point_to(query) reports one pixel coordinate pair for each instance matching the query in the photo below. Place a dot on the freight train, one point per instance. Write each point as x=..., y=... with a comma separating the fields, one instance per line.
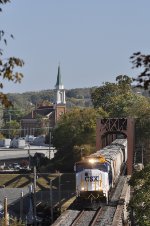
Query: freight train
x=97, y=173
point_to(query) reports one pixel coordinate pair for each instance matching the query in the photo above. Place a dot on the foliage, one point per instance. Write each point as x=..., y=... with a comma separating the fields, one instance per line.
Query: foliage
x=11, y=129
x=142, y=131
x=140, y=201
x=30, y=100
x=140, y=60
x=8, y=66
x=143, y=128
x=75, y=127
x=12, y=113
x=75, y=130
x=101, y=97
x=129, y=105
x=1, y=136
x=118, y=99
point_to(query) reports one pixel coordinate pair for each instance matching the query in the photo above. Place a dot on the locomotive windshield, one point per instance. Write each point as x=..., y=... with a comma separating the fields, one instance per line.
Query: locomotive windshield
x=100, y=166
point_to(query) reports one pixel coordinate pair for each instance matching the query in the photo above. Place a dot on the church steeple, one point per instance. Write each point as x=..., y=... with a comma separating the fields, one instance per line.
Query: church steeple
x=59, y=84
x=60, y=91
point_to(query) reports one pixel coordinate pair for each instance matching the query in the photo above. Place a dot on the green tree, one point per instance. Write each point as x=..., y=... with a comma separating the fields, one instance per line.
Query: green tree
x=118, y=99
x=75, y=128
x=101, y=96
x=129, y=105
x=8, y=66
x=140, y=201
x=75, y=131
x=11, y=129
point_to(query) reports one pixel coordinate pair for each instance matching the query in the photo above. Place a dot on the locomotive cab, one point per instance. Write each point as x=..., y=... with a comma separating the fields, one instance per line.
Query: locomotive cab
x=93, y=178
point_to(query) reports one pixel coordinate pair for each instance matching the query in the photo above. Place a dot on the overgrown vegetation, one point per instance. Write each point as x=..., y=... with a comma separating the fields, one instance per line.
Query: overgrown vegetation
x=140, y=202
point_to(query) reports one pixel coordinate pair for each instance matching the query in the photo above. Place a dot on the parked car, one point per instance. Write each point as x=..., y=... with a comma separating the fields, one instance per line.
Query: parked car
x=16, y=165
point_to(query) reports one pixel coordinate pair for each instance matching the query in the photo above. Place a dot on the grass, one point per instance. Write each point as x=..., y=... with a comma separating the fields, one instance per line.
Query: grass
x=43, y=180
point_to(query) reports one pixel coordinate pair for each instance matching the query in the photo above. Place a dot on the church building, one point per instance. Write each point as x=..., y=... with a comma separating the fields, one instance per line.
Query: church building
x=44, y=117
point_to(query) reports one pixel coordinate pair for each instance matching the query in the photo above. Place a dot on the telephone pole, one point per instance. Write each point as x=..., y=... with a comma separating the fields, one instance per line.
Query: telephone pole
x=51, y=201
x=34, y=197
x=6, y=223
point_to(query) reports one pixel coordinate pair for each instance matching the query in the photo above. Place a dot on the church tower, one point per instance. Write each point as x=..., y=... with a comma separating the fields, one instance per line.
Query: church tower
x=60, y=99
x=60, y=91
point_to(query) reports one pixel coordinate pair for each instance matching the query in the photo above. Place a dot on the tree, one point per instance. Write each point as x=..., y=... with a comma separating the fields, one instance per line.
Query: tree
x=75, y=133
x=140, y=201
x=7, y=66
x=101, y=96
x=140, y=60
x=11, y=129
x=75, y=128
x=124, y=80
x=118, y=99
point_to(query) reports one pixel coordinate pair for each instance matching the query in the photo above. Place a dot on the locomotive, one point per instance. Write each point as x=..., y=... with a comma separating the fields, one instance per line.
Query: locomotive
x=97, y=173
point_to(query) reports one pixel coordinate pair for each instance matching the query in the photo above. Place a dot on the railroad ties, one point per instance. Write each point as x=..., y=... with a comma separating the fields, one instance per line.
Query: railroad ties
x=110, y=215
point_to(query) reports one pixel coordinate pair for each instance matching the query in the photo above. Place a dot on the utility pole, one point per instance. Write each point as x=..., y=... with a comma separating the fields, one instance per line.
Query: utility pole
x=51, y=200
x=21, y=205
x=5, y=212
x=59, y=191
x=29, y=156
x=34, y=197
x=9, y=123
x=50, y=138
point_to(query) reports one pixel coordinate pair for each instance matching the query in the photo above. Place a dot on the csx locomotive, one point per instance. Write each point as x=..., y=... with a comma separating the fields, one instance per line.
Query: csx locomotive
x=97, y=173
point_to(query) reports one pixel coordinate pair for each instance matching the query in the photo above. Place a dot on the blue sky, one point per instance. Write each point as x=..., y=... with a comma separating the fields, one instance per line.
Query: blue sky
x=92, y=40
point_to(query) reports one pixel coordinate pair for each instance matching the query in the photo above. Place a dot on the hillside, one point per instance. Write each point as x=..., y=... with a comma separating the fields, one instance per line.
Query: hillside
x=74, y=97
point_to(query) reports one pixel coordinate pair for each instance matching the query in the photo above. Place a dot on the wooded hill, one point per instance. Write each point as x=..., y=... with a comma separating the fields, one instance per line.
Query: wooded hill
x=80, y=97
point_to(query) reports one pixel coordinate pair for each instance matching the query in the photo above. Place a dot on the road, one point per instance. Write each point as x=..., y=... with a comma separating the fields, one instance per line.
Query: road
x=8, y=153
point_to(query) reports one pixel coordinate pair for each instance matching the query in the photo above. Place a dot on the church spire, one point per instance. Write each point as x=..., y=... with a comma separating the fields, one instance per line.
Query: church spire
x=59, y=84
x=60, y=91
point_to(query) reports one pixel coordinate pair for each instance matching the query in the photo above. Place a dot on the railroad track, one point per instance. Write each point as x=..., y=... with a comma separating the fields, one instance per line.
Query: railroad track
x=84, y=218
x=103, y=216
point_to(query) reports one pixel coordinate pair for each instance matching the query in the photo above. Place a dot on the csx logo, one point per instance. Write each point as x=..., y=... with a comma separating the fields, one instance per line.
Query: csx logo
x=91, y=178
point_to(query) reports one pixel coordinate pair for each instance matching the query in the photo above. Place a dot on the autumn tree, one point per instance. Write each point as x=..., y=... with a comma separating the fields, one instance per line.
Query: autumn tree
x=142, y=61
x=8, y=66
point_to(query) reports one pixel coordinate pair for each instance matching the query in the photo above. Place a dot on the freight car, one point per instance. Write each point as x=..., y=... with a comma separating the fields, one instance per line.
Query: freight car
x=97, y=173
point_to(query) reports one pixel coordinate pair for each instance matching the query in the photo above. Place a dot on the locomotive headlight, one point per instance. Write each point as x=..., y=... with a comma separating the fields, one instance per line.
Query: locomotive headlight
x=91, y=160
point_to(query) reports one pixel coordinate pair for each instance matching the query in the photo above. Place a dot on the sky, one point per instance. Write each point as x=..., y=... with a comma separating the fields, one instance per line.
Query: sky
x=91, y=40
